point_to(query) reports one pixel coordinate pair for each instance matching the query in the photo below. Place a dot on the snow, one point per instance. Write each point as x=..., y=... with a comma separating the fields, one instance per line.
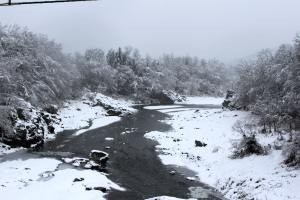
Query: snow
x=77, y=114
x=97, y=151
x=258, y=177
x=202, y=100
x=191, y=178
x=100, y=122
x=6, y=149
x=166, y=198
x=177, y=109
x=160, y=107
x=36, y=178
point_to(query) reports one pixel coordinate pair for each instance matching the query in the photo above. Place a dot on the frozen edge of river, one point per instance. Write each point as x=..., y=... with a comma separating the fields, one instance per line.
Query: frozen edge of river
x=258, y=177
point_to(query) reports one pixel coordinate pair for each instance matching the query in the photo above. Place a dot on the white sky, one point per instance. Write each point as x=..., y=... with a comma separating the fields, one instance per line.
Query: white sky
x=226, y=30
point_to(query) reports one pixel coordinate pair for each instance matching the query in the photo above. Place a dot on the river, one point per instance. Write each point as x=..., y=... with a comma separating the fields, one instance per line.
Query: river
x=133, y=162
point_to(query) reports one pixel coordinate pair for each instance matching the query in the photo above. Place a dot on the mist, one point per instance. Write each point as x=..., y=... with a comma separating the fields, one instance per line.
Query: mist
x=225, y=30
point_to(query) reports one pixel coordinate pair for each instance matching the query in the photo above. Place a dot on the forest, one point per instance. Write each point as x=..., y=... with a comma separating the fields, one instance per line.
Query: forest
x=36, y=69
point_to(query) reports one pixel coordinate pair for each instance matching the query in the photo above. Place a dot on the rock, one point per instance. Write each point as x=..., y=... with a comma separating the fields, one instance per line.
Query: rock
x=47, y=119
x=102, y=189
x=51, y=109
x=94, y=164
x=200, y=144
x=22, y=114
x=191, y=178
x=51, y=129
x=113, y=112
x=78, y=179
x=88, y=166
x=99, y=157
x=172, y=173
x=76, y=163
x=162, y=97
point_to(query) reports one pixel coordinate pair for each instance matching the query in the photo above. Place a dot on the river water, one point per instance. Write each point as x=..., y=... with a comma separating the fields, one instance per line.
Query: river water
x=133, y=161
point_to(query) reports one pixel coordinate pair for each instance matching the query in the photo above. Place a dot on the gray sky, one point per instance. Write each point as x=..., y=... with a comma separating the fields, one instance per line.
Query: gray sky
x=225, y=29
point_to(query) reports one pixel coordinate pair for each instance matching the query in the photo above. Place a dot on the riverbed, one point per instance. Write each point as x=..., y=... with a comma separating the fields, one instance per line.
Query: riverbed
x=133, y=159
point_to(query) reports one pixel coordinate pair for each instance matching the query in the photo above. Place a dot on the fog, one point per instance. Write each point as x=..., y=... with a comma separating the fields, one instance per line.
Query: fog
x=225, y=30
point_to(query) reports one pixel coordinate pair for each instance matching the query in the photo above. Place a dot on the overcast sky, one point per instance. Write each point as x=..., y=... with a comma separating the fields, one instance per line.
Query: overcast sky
x=224, y=29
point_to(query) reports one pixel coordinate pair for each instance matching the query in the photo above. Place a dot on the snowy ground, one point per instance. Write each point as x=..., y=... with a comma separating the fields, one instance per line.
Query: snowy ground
x=77, y=114
x=258, y=177
x=253, y=177
x=5, y=149
x=40, y=179
x=202, y=100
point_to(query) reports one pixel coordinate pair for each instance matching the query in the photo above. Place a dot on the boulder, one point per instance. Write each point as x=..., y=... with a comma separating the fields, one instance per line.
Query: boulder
x=172, y=173
x=51, y=109
x=51, y=129
x=102, y=189
x=78, y=179
x=99, y=157
x=200, y=144
x=114, y=112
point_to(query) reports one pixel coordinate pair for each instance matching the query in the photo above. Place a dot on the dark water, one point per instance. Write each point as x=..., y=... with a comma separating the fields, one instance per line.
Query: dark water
x=133, y=161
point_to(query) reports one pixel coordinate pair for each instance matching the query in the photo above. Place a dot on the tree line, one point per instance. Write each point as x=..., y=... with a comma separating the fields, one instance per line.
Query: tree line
x=35, y=69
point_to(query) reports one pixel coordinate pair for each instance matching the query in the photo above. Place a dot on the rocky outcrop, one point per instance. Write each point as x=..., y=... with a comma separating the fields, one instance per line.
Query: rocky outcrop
x=229, y=103
x=53, y=109
x=111, y=109
x=29, y=126
x=167, y=97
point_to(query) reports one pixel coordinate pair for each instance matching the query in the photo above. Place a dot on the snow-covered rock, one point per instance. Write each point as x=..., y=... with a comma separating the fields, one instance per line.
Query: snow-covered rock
x=99, y=157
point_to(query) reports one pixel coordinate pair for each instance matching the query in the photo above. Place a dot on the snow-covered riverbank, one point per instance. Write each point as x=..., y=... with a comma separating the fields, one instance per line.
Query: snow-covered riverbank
x=77, y=114
x=41, y=179
x=253, y=177
x=38, y=177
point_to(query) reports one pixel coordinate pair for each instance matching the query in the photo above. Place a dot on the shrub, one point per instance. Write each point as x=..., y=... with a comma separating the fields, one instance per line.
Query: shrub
x=291, y=152
x=248, y=144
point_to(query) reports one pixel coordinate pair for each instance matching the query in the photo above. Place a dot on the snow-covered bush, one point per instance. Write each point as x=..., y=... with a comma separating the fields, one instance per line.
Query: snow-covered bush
x=291, y=152
x=248, y=144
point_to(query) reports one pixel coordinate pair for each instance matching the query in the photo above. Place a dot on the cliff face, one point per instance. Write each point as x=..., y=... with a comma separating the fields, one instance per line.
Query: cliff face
x=167, y=97
x=25, y=125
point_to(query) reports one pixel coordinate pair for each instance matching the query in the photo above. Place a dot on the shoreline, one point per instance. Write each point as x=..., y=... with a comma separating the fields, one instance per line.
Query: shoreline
x=257, y=177
x=30, y=177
